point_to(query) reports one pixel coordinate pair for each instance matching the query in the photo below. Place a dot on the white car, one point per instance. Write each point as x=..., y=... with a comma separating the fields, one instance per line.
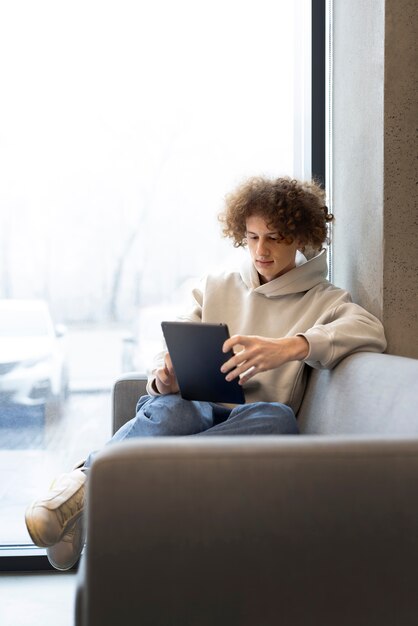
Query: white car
x=33, y=361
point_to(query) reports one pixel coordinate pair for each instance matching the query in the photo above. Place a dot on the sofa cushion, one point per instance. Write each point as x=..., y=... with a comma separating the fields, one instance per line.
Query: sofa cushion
x=366, y=393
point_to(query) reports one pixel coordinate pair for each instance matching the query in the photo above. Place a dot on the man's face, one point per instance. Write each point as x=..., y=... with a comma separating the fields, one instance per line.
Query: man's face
x=271, y=256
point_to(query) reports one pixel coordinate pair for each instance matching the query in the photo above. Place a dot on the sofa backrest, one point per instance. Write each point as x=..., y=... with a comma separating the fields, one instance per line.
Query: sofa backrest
x=366, y=393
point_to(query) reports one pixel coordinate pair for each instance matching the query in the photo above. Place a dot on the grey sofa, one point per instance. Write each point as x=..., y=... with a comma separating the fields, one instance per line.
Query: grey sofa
x=318, y=529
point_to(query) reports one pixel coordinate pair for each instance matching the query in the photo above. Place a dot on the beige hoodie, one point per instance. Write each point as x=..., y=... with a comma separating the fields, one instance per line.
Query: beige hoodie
x=300, y=302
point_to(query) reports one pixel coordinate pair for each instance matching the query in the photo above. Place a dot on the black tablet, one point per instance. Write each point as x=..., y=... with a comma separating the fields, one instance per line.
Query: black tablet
x=196, y=354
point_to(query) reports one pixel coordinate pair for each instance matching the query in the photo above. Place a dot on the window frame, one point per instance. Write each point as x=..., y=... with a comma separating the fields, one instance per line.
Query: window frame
x=318, y=91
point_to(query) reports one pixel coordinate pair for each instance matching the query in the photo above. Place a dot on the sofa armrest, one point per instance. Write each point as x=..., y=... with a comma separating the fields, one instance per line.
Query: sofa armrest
x=125, y=394
x=254, y=530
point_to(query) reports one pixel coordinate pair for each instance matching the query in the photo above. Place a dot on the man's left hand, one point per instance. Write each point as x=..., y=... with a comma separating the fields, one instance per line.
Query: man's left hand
x=260, y=354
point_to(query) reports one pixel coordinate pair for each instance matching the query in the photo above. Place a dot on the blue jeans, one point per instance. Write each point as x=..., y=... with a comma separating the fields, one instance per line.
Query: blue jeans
x=170, y=415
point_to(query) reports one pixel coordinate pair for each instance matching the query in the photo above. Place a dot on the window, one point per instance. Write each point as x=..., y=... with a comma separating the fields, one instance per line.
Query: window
x=123, y=125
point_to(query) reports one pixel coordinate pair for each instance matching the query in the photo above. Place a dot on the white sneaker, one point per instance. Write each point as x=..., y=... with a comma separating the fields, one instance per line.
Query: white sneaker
x=64, y=554
x=50, y=519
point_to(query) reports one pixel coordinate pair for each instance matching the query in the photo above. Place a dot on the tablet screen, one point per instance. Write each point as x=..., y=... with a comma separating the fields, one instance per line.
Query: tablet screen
x=196, y=353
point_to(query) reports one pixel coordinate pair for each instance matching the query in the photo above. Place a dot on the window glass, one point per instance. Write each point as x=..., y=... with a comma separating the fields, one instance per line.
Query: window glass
x=122, y=127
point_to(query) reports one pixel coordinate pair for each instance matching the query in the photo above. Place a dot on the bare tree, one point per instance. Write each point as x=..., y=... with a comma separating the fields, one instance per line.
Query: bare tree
x=133, y=234
x=118, y=274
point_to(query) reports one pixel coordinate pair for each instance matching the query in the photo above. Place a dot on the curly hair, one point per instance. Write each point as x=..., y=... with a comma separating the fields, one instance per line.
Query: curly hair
x=295, y=209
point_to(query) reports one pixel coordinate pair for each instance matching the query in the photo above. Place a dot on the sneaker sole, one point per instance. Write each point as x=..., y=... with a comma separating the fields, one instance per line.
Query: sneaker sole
x=64, y=565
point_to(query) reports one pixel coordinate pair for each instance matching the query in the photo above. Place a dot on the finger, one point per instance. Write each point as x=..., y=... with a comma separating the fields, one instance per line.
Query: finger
x=163, y=375
x=234, y=361
x=249, y=374
x=164, y=389
x=169, y=364
x=235, y=340
x=240, y=370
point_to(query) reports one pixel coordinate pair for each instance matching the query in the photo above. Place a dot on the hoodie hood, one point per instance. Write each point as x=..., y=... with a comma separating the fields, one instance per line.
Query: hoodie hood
x=304, y=276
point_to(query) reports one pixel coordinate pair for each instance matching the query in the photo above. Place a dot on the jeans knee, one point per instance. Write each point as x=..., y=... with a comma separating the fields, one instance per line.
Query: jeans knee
x=172, y=415
x=274, y=417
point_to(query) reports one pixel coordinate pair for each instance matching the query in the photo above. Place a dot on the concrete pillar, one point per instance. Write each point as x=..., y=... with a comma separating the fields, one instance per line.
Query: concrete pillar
x=374, y=162
x=400, y=222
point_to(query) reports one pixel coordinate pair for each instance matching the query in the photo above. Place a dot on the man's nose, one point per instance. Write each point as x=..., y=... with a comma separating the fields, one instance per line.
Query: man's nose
x=262, y=249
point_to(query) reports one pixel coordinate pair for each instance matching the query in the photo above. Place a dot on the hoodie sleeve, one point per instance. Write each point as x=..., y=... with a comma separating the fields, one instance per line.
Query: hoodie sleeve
x=194, y=314
x=343, y=330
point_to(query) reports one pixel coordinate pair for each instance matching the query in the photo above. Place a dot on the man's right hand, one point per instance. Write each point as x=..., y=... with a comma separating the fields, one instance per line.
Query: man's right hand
x=165, y=378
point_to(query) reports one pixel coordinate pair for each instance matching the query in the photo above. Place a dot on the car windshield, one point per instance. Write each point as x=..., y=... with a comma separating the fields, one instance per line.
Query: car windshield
x=28, y=323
